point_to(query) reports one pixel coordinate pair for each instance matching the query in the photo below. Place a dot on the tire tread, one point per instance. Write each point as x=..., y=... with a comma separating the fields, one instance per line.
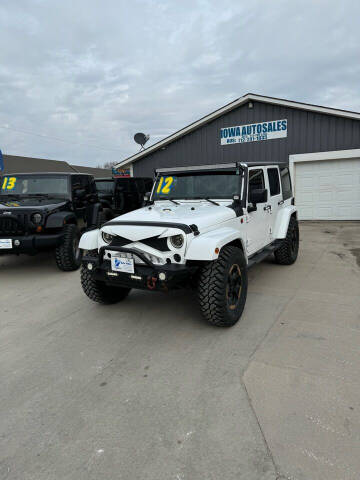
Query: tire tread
x=210, y=292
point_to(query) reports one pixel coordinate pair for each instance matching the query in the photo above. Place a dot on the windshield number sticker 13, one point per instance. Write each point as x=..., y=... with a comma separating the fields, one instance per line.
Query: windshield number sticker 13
x=165, y=185
x=9, y=183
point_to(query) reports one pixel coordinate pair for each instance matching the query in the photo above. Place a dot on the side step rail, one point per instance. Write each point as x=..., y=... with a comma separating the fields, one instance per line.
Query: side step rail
x=260, y=256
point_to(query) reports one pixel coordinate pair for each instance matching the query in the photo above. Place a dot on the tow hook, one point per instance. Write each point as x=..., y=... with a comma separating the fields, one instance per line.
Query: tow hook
x=151, y=283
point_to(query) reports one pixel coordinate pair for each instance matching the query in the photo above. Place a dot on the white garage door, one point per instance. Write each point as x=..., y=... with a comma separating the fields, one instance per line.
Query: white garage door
x=328, y=189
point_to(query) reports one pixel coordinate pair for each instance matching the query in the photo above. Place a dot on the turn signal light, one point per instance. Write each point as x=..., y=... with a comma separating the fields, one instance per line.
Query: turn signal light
x=217, y=250
x=39, y=228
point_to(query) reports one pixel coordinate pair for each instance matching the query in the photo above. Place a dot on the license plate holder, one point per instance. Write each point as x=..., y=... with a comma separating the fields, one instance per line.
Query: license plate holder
x=6, y=243
x=122, y=264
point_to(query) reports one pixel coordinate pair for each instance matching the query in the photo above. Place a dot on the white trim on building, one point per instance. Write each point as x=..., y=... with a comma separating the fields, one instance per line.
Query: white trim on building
x=318, y=156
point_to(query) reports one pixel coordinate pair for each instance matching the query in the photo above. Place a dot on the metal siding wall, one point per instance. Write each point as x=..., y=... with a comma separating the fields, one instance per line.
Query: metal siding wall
x=307, y=132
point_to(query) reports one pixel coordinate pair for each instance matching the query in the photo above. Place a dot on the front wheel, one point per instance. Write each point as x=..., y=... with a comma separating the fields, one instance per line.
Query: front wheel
x=288, y=252
x=68, y=255
x=100, y=292
x=222, y=288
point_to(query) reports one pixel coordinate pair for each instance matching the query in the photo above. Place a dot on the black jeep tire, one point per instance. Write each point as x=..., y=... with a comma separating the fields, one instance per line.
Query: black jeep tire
x=68, y=255
x=222, y=288
x=100, y=292
x=288, y=251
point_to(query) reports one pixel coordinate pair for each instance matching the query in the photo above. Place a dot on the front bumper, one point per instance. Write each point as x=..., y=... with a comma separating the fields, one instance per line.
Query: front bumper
x=145, y=276
x=31, y=243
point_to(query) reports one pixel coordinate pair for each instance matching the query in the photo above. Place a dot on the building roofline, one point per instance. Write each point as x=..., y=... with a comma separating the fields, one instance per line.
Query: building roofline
x=230, y=106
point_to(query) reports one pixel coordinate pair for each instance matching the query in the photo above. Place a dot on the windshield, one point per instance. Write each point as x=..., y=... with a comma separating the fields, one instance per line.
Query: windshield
x=56, y=185
x=104, y=186
x=196, y=186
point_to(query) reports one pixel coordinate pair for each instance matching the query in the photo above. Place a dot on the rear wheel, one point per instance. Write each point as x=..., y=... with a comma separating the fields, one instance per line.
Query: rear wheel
x=223, y=288
x=288, y=252
x=68, y=255
x=100, y=292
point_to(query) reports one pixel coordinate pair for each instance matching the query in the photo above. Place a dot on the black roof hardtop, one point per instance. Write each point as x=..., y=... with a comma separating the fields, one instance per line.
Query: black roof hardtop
x=46, y=173
x=219, y=166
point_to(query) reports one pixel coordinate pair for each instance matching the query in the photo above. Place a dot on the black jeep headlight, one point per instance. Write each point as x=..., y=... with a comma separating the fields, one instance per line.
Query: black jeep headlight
x=107, y=237
x=36, y=218
x=177, y=241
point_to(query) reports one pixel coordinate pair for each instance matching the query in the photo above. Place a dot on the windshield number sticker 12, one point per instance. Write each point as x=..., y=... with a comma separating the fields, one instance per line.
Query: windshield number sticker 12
x=165, y=185
x=9, y=183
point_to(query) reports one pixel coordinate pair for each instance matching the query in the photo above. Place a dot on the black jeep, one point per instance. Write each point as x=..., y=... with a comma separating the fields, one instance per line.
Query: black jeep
x=42, y=211
x=121, y=195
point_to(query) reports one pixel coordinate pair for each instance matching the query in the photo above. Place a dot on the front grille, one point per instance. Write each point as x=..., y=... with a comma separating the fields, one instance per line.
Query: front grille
x=157, y=243
x=120, y=241
x=154, y=242
x=10, y=226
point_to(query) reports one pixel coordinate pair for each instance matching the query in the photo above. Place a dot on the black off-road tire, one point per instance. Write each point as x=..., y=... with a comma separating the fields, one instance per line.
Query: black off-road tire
x=215, y=300
x=100, y=292
x=68, y=255
x=288, y=252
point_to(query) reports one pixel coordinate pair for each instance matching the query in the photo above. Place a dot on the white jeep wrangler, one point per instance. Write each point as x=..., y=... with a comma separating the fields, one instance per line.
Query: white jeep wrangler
x=202, y=226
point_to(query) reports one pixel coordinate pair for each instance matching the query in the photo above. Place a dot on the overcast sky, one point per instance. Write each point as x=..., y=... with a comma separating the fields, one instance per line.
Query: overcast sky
x=91, y=73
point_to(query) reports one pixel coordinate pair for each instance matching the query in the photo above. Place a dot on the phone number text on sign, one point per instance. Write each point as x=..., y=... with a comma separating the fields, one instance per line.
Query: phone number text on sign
x=254, y=132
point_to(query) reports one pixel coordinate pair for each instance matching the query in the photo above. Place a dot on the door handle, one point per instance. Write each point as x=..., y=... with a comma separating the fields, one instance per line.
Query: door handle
x=281, y=202
x=267, y=207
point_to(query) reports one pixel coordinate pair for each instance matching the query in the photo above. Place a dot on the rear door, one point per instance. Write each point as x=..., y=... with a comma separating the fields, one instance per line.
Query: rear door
x=257, y=221
x=275, y=200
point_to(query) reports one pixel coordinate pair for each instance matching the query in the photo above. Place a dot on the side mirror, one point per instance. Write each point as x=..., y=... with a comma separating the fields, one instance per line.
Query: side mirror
x=259, y=195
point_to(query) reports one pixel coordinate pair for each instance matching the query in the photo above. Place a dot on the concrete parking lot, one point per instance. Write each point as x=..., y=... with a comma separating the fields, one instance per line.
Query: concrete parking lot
x=146, y=390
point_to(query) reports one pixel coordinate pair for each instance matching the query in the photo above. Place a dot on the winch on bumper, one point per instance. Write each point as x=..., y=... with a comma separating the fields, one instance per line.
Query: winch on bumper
x=146, y=276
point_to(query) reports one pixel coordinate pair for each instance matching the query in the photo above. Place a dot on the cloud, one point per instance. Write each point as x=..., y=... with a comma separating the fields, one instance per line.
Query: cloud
x=94, y=73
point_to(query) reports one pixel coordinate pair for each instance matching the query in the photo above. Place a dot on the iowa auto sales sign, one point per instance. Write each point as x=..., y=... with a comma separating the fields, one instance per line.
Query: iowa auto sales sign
x=254, y=132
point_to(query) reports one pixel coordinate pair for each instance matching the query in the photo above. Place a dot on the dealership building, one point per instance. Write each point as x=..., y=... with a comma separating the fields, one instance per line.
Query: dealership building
x=321, y=145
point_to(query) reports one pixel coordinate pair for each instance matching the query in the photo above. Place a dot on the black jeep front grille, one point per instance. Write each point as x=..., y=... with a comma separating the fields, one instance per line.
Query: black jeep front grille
x=157, y=243
x=154, y=242
x=118, y=241
x=10, y=226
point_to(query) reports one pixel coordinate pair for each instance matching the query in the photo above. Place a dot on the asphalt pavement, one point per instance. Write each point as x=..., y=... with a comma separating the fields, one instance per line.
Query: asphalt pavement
x=145, y=389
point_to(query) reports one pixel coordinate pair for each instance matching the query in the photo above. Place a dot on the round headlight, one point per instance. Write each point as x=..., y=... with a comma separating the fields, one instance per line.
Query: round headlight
x=177, y=241
x=36, y=218
x=107, y=237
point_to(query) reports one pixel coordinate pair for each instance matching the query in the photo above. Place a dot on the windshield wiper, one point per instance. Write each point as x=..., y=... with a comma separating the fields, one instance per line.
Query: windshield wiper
x=14, y=195
x=168, y=199
x=207, y=199
x=36, y=194
x=211, y=201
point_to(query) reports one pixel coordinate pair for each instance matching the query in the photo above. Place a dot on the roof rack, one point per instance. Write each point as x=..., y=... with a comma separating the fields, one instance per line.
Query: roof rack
x=197, y=168
x=217, y=166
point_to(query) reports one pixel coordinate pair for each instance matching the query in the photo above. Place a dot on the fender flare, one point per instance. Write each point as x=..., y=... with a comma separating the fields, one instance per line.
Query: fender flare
x=89, y=240
x=59, y=219
x=203, y=246
x=282, y=221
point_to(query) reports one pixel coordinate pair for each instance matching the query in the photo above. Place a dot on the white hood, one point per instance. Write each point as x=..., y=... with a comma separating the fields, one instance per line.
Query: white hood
x=201, y=213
